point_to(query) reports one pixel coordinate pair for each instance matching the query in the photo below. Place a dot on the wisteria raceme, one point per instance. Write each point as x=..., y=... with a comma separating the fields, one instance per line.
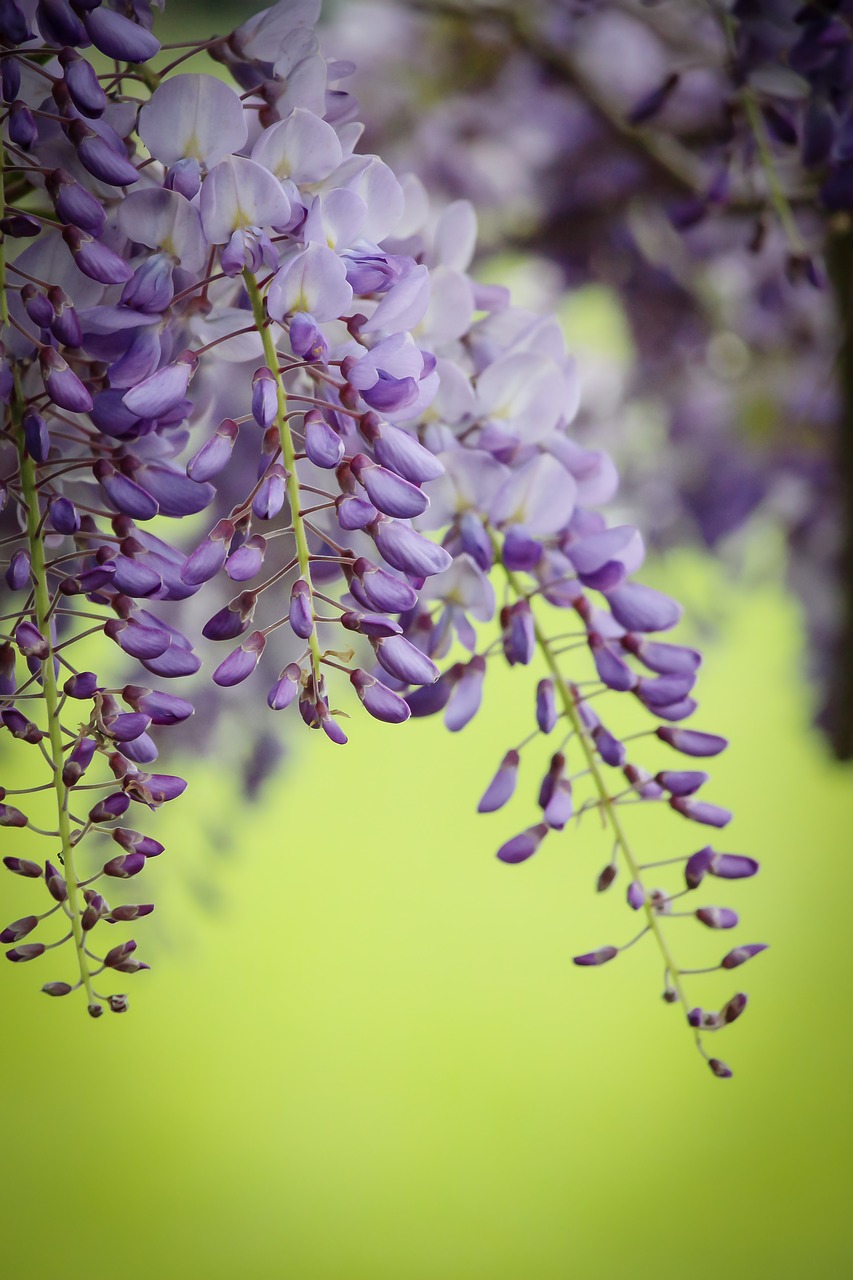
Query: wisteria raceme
x=243, y=316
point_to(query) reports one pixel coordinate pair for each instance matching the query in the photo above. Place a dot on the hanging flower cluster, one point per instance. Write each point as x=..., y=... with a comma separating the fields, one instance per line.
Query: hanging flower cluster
x=221, y=306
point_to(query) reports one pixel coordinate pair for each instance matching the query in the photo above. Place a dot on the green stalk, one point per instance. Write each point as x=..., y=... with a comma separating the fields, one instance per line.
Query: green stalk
x=51, y=700
x=606, y=803
x=288, y=453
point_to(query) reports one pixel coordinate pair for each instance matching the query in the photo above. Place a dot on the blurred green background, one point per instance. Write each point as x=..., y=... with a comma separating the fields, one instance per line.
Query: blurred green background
x=363, y=1053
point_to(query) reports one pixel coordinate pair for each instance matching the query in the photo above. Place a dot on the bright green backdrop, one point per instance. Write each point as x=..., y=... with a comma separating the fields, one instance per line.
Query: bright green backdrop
x=369, y=1058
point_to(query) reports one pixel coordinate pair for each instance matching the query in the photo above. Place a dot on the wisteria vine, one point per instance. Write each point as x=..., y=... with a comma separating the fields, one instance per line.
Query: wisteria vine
x=221, y=307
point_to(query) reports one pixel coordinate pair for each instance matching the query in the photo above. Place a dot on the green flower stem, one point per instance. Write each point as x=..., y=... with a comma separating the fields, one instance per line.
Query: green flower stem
x=51, y=698
x=605, y=801
x=288, y=452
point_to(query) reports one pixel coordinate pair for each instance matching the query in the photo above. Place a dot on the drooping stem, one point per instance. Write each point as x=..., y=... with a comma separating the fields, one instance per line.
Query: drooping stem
x=606, y=802
x=41, y=603
x=288, y=452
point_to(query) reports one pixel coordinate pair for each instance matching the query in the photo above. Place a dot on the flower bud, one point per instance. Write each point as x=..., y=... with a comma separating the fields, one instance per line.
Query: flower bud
x=601, y=956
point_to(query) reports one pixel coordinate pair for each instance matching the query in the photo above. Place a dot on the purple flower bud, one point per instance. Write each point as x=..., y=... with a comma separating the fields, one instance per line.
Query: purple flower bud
x=612, y=670
x=546, y=706
x=151, y=287
x=62, y=385
x=733, y=866
x=665, y=659
x=475, y=541
x=307, y=340
x=11, y=817
x=135, y=842
x=128, y=725
x=127, y=914
x=601, y=956
x=124, y=865
x=663, y=691
x=18, y=929
x=22, y=125
x=636, y=895
x=720, y=1070
x=606, y=877
x=29, y=951
x=323, y=445
x=30, y=641
x=18, y=572
x=404, y=549
x=162, y=708
x=232, y=620
x=36, y=436
x=74, y=205
x=57, y=988
x=467, y=696
x=401, y=452
x=246, y=562
x=690, y=742
x=119, y=37
x=300, y=612
x=640, y=608
x=82, y=685
x=215, y=454
x=375, y=625
x=502, y=785
x=697, y=867
x=154, y=789
x=733, y=1008
x=112, y=807
x=739, y=955
x=518, y=633
x=269, y=499
x=138, y=640
x=95, y=260
x=209, y=556
x=430, y=699
x=717, y=917
x=65, y=325
x=59, y=25
x=117, y=955
x=711, y=815
x=56, y=885
x=520, y=551
x=15, y=30
x=37, y=306
x=560, y=806
x=163, y=390
x=20, y=727
x=402, y=659
x=285, y=688
x=23, y=866
x=523, y=846
x=377, y=699
x=611, y=750
x=83, y=84
x=388, y=492
x=354, y=512
x=264, y=397
x=184, y=177
x=240, y=664
x=383, y=590
x=20, y=225
x=681, y=782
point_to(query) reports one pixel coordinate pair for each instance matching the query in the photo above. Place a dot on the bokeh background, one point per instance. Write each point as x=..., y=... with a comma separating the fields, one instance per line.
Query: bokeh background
x=362, y=1052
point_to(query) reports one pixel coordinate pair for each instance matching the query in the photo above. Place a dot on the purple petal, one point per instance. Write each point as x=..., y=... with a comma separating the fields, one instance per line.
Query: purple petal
x=377, y=699
x=601, y=956
x=241, y=662
x=523, y=846
x=400, y=658
x=640, y=608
